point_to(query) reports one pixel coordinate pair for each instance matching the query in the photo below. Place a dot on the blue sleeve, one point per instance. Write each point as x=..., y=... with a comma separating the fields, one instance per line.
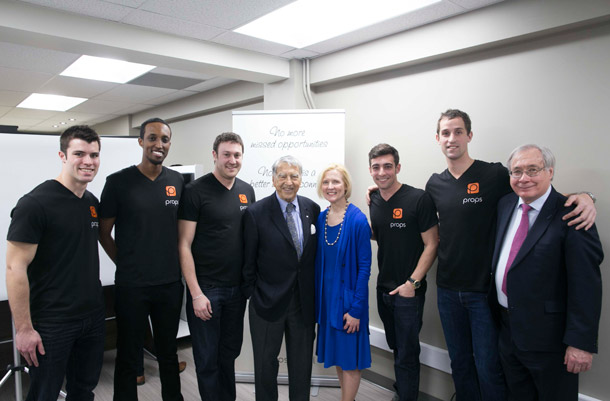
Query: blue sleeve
x=362, y=230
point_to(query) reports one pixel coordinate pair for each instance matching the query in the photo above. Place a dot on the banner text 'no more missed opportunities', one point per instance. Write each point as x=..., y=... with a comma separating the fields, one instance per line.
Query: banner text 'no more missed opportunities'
x=315, y=137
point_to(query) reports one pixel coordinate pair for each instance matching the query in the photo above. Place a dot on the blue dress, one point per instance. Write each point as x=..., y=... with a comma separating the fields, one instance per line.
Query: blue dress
x=337, y=347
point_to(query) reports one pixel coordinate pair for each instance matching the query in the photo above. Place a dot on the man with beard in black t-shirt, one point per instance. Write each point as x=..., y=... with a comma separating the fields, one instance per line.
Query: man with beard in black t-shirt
x=405, y=226
x=466, y=195
x=52, y=275
x=211, y=257
x=141, y=203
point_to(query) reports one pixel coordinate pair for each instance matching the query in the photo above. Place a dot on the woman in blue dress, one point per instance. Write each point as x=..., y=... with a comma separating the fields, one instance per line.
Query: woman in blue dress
x=343, y=267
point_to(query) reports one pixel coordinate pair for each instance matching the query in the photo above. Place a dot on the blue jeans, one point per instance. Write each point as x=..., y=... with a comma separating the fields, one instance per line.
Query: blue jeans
x=402, y=321
x=472, y=341
x=73, y=349
x=217, y=342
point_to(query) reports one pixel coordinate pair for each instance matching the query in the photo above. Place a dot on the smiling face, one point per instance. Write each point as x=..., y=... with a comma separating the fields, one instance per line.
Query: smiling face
x=453, y=138
x=384, y=171
x=287, y=181
x=155, y=143
x=81, y=161
x=333, y=187
x=227, y=162
x=530, y=188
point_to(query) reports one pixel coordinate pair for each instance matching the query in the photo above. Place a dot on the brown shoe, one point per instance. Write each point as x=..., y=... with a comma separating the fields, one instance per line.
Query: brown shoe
x=181, y=366
x=140, y=380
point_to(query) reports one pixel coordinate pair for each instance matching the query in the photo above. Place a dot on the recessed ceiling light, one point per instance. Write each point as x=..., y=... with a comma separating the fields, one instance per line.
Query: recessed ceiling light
x=71, y=119
x=105, y=69
x=305, y=22
x=55, y=126
x=63, y=123
x=50, y=102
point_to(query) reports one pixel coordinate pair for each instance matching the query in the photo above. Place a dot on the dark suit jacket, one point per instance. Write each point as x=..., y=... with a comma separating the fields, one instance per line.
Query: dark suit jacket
x=554, y=284
x=271, y=266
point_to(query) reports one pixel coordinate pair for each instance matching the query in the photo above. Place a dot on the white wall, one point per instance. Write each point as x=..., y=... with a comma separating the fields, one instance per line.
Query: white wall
x=551, y=91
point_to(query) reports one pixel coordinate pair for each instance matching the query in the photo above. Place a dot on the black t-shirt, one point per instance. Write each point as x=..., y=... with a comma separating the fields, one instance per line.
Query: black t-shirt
x=218, y=244
x=64, y=274
x=146, y=225
x=397, y=225
x=467, y=218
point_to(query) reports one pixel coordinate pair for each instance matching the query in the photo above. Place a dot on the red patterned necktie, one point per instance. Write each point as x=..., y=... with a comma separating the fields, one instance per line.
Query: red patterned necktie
x=520, y=235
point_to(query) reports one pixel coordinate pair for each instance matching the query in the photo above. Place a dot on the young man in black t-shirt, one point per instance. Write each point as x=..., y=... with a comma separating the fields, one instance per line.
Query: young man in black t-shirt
x=404, y=224
x=141, y=203
x=466, y=196
x=211, y=257
x=52, y=275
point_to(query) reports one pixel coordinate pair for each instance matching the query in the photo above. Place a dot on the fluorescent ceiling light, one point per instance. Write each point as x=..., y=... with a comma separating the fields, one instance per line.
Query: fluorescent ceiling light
x=306, y=22
x=105, y=69
x=50, y=102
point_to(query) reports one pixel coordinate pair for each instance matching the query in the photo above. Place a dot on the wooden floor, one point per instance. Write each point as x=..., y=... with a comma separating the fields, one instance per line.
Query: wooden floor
x=151, y=391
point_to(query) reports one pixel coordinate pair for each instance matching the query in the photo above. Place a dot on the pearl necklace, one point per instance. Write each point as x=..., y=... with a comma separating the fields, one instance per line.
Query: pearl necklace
x=340, y=227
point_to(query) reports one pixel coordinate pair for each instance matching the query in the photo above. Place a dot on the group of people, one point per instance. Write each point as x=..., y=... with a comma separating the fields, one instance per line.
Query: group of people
x=518, y=281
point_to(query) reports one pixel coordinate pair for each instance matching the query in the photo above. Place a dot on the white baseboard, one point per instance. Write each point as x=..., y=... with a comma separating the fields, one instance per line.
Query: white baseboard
x=432, y=356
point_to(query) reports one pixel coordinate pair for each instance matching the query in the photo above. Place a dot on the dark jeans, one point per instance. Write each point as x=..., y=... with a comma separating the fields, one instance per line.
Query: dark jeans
x=402, y=321
x=217, y=342
x=472, y=341
x=266, y=343
x=133, y=305
x=73, y=349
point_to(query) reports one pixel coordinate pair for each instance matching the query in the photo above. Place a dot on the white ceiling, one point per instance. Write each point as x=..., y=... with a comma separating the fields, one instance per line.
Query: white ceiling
x=185, y=38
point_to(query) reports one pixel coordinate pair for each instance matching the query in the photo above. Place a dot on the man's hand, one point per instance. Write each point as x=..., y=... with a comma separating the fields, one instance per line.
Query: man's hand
x=406, y=290
x=583, y=214
x=577, y=360
x=370, y=189
x=28, y=341
x=202, y=308
x=351, y=323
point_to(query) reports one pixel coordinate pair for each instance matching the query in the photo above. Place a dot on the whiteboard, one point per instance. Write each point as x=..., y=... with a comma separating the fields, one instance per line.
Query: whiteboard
x=315, y=137
x=27, y=160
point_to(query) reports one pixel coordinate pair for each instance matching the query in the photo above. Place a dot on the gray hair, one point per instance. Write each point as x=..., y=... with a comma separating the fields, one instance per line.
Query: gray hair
x=289, y=160
x=547, y=155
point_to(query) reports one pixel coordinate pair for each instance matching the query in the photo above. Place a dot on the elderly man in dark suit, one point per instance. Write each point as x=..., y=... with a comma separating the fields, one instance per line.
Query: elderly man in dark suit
x=280, y=248
x=547, y=285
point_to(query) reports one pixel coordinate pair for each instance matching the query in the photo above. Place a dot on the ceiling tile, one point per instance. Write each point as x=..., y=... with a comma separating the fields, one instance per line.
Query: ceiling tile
x=134, y=93
x=78, y=87
x=231, y=38
x=101, y=107
x=12, y=98
x=168, y=24
x=4, y=120
x=136, y=108
x=127, y=3
x=92, y=8
x=18, y=112
x=34, y=59
x=171, y=97
x=226, y=14
x=164, y=81
x=4, y=110
x=21, y=81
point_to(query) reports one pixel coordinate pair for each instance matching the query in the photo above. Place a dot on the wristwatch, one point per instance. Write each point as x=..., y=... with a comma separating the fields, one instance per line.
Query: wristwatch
x=416, y=283
x=590, y=194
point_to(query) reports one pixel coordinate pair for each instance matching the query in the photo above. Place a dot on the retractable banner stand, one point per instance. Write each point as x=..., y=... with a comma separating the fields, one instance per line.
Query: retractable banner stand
x=316, y=138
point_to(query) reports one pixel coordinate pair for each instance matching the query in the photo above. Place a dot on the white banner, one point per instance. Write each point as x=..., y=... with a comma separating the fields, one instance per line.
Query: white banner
x=315, y=137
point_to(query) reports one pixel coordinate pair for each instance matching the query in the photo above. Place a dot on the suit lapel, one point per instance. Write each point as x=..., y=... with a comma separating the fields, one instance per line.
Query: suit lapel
x=277, y=217
x=504, y=215
x=305, y=220
x=540, y=225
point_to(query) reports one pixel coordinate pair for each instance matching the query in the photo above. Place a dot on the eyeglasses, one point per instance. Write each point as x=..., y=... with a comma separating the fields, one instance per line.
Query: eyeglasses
x=530, y=172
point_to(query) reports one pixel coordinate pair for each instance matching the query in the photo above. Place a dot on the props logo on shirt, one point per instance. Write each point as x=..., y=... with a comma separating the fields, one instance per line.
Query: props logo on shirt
x=93, y=212
x=397, y=213
x=170, y=190
x=472, y=188
x=243, y=198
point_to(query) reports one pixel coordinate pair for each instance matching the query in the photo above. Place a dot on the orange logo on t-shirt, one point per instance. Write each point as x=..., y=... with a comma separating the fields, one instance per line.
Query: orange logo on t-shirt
x=93, y=211
x=473, y=188
x=397, y=213
x=243, y=198
x=170, y=190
